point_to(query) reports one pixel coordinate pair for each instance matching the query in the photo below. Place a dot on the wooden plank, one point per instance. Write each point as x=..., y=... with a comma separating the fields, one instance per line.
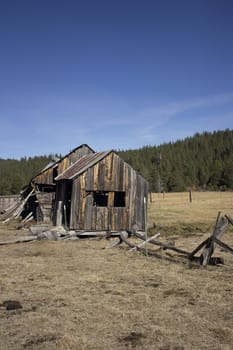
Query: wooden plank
x=28, y=216
x=221, y=226
x=19, y=240
x=108, y=174
x=75, y=203
x=199, y=247
x=229, y=218
x=82, y=201
x=59, y=215
x=95, y=173
x=88, y=212
x=163, y=245
x=20, y=206
x=89, y=185
x=111, y=199
x=101, y=175
x=147, y=240
x=94, y=218
x=224, y=245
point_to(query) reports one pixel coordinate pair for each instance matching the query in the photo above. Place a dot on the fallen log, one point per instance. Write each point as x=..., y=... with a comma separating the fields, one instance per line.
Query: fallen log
x=163, y=245
x=19, y=240
x=149, y=252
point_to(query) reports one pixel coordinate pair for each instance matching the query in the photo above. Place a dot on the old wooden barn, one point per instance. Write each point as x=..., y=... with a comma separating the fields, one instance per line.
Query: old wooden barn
x=91, y=191
x=102, y=192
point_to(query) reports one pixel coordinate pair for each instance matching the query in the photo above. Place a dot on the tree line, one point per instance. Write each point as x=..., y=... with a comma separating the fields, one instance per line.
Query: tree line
x=15, y=174
x=201, y=162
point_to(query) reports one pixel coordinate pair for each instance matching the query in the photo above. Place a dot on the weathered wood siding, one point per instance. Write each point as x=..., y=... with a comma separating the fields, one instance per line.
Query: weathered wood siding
x=45, y=204
x=111, y=175
x=72, y=158
x=47, y=177
x=8, y=201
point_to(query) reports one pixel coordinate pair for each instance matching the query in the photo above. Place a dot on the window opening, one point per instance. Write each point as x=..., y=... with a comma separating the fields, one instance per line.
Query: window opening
x=100, y=198
x=46, y=188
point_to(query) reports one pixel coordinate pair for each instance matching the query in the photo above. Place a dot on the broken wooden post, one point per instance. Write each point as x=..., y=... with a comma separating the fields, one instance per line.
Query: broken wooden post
x=205, y=242
x=221, y=225
x=190, y=195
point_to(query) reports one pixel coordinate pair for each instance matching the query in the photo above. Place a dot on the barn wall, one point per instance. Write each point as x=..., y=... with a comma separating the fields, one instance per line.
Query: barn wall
x=110, y=175
x=45, y=178
x=45, y=201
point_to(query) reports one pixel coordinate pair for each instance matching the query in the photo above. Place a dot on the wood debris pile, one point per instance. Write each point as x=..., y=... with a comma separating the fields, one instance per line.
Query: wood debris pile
x=206, y=248
x=15, y=211
x=55, y=233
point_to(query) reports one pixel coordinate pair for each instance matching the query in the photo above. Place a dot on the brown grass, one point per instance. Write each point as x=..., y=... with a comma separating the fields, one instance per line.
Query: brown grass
x=79, y=295
x=173, y=211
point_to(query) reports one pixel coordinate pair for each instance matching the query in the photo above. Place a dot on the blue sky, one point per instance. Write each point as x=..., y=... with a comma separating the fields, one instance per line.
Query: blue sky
x=112, y=74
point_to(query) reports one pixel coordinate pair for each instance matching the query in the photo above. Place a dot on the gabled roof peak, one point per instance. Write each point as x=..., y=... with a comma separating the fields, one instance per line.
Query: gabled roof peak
x=82, y=165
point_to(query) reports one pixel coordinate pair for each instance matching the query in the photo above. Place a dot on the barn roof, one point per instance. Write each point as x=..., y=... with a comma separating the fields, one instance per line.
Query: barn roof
x=50, y=164
x=82, y=165
x=54, y=163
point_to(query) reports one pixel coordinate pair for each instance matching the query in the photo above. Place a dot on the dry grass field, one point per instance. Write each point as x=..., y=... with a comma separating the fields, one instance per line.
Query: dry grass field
x=80, y=296
x=175, y=212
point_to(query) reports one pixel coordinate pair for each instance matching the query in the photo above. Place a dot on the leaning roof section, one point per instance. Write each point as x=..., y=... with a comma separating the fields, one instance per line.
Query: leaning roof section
x=54, y=164
x=82, y=165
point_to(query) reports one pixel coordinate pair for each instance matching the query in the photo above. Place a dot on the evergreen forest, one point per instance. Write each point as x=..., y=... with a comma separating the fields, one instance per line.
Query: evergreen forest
x=201, y=162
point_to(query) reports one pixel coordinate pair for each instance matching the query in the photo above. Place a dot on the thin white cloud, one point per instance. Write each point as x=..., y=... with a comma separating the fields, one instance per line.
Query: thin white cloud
x=107, y=124
x=148, y=134
x=170, y=109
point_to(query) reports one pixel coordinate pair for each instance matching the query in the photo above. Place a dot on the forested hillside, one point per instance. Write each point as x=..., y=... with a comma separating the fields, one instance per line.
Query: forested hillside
x=204, y=161
x=14, y=174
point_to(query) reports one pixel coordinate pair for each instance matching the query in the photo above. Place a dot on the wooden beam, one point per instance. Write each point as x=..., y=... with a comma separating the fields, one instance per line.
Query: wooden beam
x=147, y=240
x=224, y=245
x=229, y=218
x=19, y=240
x=163, y=245
x=220, y=228
x=194, y=252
